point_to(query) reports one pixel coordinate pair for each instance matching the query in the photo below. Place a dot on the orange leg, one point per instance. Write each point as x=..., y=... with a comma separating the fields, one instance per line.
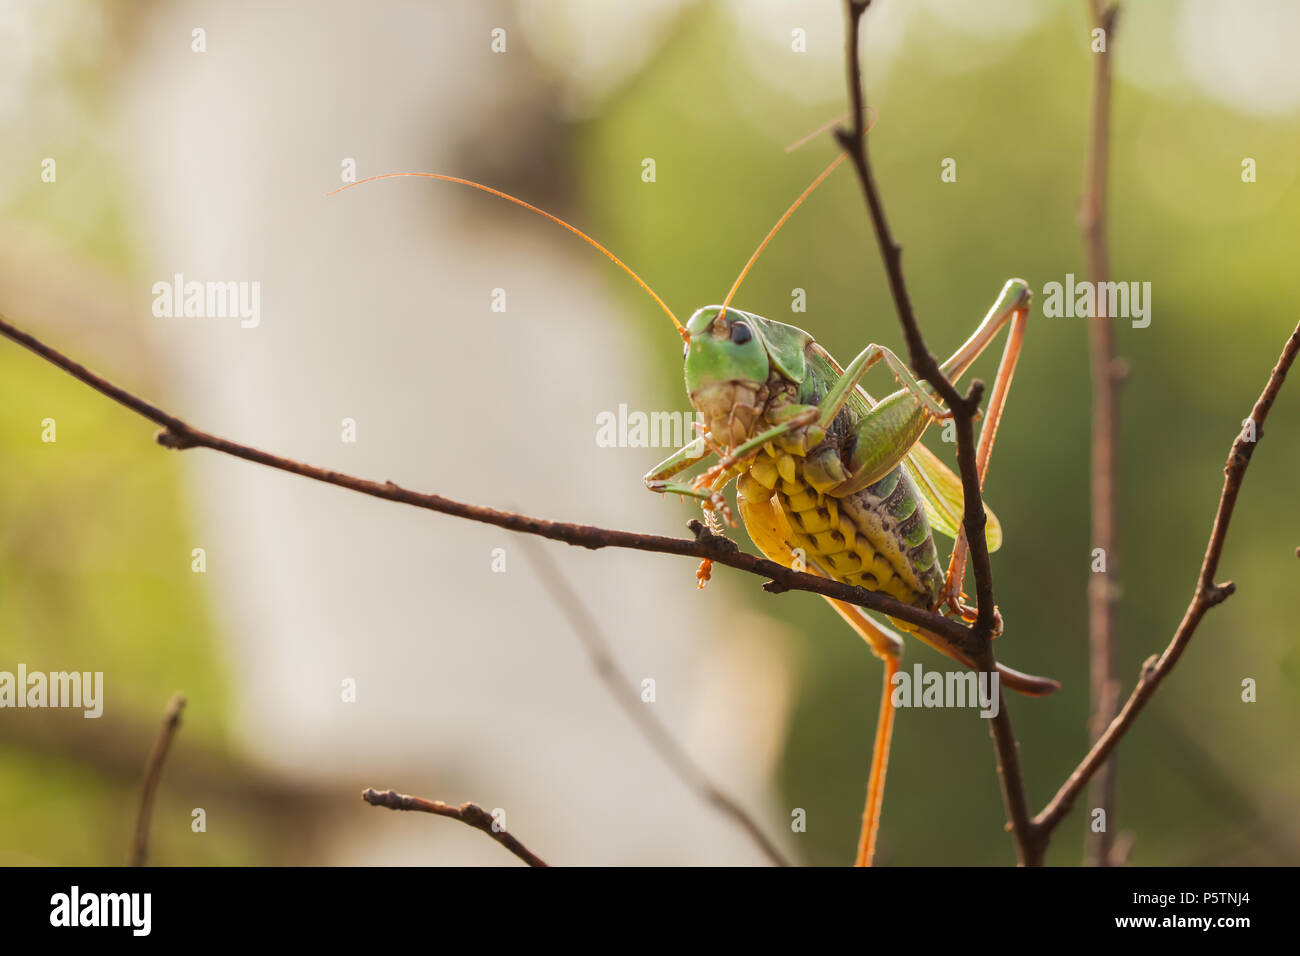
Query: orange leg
x=879, y=764
x=888, y=646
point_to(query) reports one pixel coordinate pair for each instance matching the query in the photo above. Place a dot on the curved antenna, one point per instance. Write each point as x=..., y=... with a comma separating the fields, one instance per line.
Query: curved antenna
x=541, y=212
x=793, y=206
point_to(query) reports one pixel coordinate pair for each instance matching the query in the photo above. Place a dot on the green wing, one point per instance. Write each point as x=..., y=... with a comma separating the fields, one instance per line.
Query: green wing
x=941, y=493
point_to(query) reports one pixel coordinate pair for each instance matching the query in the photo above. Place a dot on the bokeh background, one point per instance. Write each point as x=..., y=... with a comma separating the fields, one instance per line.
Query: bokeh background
x=376, y=306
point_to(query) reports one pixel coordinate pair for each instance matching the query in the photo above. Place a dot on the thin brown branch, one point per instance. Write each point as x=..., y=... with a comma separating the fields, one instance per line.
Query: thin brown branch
x=152, y=774
x=927, y=368
x=178, y=434
x=1207, y=594
x=1106, y=376
x=1029, y=848
x=470, y=814
x=622, y=688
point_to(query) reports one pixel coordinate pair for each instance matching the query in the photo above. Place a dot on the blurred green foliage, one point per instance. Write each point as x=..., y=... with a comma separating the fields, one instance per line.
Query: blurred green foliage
x=94, y=576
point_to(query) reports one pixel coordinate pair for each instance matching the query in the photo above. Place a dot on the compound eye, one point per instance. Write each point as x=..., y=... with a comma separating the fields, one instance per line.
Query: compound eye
x=740, y=333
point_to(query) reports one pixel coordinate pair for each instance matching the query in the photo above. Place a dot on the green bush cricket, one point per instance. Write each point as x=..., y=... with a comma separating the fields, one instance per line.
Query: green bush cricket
x=828, y=479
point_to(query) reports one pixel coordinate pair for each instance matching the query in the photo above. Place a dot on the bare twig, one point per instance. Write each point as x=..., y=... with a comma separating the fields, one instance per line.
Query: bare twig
x=622, y=688
x=1107, y=373
x=927, y=368
x=152, y=774
x=1029, y=848
x=1208, y=594
x=179, y=435
x=471, y=814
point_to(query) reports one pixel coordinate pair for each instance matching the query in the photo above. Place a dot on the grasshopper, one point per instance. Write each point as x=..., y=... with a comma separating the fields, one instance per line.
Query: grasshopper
x=828, y=479
x=831, y=481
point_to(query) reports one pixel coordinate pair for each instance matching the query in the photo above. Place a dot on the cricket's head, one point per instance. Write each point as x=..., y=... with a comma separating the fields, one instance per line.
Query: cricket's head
x=730, y=354
x=726, y=371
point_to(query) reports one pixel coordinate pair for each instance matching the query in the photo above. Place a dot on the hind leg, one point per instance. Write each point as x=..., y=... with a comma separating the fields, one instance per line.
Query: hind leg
x=887, y=645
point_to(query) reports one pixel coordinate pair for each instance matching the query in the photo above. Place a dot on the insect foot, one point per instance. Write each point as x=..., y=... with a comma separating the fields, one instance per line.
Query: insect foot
x=967, y=612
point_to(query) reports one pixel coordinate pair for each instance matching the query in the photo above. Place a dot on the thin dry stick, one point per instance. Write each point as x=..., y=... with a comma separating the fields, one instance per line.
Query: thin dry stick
x=1107, y=373
x=854, y=142
x=471, y=814
x=1207, y=595
x=177, y=434
x=152, y=774
x=622, y=688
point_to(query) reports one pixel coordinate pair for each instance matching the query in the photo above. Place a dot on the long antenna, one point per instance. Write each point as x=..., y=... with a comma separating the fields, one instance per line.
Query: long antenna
x=793, y=206
x=541, y=212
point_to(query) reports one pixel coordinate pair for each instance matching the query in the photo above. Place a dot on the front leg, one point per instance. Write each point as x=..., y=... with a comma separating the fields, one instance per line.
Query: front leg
x=680, y=460
x=708, y=492
x=706, y=488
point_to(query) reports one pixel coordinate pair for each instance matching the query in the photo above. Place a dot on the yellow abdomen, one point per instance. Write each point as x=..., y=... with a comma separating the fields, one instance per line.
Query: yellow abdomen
x=877, y=538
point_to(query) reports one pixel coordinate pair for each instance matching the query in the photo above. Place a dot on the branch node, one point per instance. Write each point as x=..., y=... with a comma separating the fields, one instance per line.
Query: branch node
x=1149, y=667
x=1216, y=594
x=382, y=798
x=475, y=815
x=170, y=438
x=716, y=544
